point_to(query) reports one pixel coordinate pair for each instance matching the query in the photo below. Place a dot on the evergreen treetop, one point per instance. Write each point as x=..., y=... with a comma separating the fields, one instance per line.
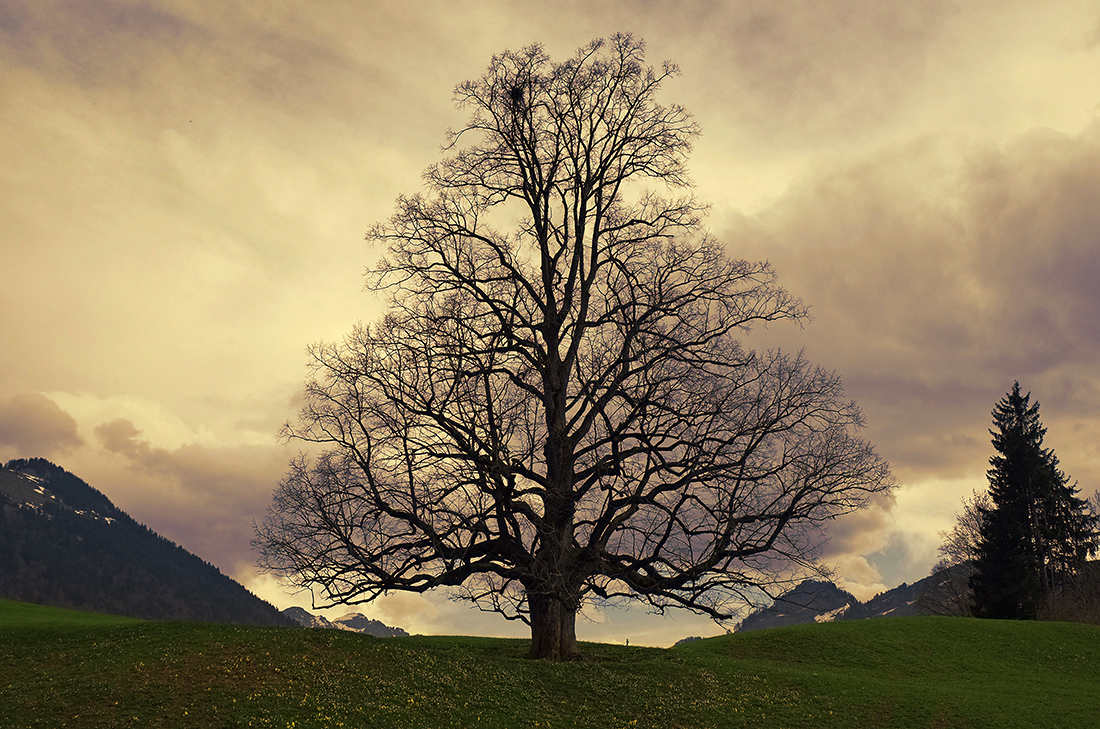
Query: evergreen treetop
x=1038, y=532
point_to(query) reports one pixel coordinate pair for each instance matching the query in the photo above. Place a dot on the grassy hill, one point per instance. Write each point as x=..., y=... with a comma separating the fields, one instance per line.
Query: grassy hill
x=63, y=668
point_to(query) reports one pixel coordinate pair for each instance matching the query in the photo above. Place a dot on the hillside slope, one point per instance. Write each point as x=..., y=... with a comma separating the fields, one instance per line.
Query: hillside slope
x=908, y=673
x=64, y=543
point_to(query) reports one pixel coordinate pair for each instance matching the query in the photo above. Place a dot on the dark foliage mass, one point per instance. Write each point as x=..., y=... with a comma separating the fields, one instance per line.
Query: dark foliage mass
x=64, y=543
x=1036, y=537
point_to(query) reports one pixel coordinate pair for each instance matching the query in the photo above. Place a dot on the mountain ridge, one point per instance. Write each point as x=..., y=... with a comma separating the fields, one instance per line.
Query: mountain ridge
x=354, y=622
x=56, y=528
x=822, y=601
x=64, y=543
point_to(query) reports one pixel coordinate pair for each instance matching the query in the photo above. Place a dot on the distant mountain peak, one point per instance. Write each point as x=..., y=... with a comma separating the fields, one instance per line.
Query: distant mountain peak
x=820, y=601
x=354, y=622
x=809, y=601
x=306, y=619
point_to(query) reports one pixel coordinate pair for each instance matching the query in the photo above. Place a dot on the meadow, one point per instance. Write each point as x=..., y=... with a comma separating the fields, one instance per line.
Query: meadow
x=61, y=668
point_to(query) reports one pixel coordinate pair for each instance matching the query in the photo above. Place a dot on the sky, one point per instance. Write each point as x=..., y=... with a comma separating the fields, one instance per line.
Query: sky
x=185, y=187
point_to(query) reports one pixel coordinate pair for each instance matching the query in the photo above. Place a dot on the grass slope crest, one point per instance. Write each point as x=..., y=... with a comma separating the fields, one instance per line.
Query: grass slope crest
x=76, y=669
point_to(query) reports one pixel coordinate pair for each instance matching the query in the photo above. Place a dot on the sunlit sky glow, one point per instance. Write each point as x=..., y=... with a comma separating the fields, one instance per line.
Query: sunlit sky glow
x=186, y=185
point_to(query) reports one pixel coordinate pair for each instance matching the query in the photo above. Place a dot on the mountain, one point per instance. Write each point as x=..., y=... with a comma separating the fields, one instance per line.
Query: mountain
x=360, y=623
x=307, y=619
x=902, y=601
x=820, y=601
x=355, y=622
x=810, y=601
x=64, y=543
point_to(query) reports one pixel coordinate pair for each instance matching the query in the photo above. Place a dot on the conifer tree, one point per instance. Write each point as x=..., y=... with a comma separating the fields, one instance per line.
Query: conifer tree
x=1037, y=533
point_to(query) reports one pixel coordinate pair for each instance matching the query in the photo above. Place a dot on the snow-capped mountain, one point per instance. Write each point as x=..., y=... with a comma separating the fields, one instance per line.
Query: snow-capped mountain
x=819, y=601
x=355, y=622
x=64, y=543
x=810, y=601
x=307, y=619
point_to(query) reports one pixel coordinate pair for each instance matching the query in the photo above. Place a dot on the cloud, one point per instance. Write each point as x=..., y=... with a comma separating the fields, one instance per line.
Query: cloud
x=32, y=425
x=120, y=436
x=850, y=538
x=807, y=69
x=201, y=496
x=938, y=272
x=91, y=40
x=245, y=148
x=1032, y=205
x=409, y=609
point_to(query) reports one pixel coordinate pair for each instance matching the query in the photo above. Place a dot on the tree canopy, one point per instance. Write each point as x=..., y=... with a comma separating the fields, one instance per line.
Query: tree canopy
x=1037, y=533
x=556, y=407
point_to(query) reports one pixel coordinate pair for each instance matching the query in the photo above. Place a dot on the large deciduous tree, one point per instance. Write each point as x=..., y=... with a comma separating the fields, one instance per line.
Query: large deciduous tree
x=1038, y=533
x=556, y=407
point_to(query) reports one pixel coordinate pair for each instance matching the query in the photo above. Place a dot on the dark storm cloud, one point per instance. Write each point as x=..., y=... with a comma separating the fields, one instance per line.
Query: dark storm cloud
x=940, y=272
x=32, y=425
x=1034, y=204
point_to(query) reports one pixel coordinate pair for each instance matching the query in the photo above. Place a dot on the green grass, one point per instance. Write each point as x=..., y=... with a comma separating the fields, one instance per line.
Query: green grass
x=62, y=668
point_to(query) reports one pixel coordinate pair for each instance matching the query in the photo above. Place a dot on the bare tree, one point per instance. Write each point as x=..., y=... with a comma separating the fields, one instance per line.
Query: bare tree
x=563, y=412
x=950, y=592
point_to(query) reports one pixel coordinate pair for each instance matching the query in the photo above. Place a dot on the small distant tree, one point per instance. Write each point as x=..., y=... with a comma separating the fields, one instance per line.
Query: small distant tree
x=563, y=412
x=1038, y=533
x=949, y=592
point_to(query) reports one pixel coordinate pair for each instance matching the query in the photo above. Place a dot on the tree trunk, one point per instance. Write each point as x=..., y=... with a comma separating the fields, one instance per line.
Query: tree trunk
x=553, y=629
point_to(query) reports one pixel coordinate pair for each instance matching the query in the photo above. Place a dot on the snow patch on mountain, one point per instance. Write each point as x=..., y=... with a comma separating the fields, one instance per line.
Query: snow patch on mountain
x=831, y=615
